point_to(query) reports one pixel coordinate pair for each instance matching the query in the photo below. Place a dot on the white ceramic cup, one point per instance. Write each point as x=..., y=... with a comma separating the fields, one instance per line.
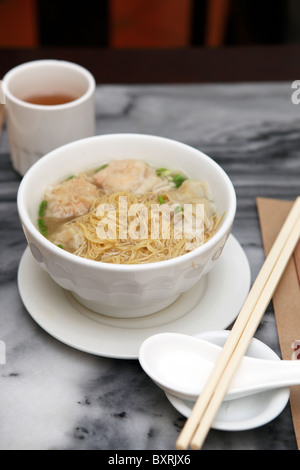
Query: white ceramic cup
x=34, y=129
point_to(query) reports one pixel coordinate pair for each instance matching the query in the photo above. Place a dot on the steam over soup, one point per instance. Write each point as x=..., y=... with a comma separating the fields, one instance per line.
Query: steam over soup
x=128, y=212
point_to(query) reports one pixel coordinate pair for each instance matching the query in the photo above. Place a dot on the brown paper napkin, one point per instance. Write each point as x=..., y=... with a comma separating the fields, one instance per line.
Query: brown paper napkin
x=286, y=299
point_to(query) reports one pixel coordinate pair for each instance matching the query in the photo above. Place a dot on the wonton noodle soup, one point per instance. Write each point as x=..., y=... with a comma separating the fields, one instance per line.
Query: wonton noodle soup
x=124, y=289
x=128, y=212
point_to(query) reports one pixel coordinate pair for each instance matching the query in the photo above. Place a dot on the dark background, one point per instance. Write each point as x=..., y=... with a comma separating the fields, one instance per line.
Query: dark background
x=249, y=22
x=157, y=41
x=92, y=23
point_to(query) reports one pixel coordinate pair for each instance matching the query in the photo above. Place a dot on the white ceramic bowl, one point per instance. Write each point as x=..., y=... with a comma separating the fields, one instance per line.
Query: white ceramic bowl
x=124, y=291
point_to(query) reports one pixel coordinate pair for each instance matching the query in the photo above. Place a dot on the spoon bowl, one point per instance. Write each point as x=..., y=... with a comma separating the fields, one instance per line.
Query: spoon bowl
x=181, y=364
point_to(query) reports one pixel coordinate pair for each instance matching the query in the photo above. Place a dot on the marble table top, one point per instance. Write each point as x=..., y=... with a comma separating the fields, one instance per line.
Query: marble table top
x=55, y=397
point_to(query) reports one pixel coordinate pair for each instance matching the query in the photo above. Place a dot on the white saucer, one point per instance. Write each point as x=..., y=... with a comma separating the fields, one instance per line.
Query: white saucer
x=248, y=412
x=213, y=303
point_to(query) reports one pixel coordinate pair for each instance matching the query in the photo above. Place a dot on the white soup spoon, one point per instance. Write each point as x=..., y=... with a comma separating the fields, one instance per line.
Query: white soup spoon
x=181, y=364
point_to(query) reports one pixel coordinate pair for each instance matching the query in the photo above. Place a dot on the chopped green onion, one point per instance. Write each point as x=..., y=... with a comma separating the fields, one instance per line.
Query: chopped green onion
x=70, y=177
x=41, y=223
x=60, y=246
x=161, y=200
x=178, y=180
x=159, y=171
x=163, y=172
x=101, y=167
x=42, y=227
x=178, y=209
x=42, y=208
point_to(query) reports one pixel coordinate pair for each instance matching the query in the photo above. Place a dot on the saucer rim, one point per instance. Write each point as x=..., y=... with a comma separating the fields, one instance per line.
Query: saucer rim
x=124, y=345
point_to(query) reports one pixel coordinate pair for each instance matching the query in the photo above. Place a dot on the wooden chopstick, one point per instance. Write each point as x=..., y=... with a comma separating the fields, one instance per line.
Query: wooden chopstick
x=240, y=324
x=250, y=316
x=245, y=340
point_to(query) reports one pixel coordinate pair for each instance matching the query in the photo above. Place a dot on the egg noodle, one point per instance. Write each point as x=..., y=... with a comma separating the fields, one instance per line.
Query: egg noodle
x=121, y=231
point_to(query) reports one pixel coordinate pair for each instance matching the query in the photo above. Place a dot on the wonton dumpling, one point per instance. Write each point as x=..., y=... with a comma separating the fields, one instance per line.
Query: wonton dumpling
x=71, y=198
x=133, y=176
x=70, y=237
x=195, y=192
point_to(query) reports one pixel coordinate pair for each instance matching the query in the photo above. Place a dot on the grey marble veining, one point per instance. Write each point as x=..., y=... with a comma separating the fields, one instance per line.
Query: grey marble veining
x=55, y=397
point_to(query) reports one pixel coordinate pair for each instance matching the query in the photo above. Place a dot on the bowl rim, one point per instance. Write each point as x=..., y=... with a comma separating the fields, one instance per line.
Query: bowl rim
x=26, y=221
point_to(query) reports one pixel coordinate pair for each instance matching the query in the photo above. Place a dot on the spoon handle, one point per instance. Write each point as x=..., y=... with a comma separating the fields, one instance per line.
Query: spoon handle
x=267, y=375
x=282, y=372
